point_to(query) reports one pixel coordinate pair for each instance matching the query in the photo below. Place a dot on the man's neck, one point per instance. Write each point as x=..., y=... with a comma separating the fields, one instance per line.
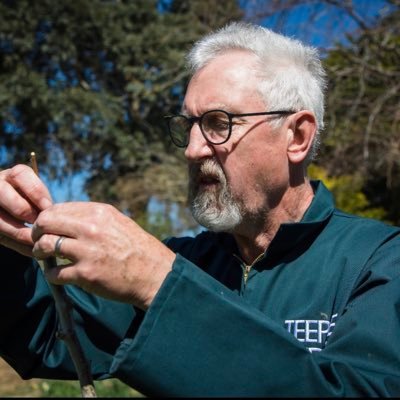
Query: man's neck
x=254, y=238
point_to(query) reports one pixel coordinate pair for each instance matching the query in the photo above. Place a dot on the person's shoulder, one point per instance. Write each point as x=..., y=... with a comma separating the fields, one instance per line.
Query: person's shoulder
x=363, y=226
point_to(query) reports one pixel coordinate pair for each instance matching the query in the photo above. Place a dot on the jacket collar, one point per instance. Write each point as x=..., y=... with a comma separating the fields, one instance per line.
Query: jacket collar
x=296, y=235
x=301, y=234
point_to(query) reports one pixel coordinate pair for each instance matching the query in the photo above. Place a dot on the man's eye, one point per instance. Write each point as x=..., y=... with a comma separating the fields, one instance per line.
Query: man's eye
x=220, y=124
x=216, y=123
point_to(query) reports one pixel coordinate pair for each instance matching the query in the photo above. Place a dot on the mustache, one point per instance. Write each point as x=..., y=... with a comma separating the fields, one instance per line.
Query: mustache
x=207, y=170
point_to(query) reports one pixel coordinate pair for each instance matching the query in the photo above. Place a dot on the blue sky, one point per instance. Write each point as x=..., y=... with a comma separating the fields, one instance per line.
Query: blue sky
x=322, y=25
x=70, y=189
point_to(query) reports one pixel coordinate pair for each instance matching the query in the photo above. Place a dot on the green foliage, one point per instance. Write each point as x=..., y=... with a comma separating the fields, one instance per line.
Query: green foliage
x=108, y=388
x=157, y=223
x=363, y=121
x=347, y=191
x=86, y=83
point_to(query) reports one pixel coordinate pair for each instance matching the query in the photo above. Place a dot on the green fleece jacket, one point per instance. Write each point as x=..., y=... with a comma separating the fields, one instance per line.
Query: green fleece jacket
x=318, y=314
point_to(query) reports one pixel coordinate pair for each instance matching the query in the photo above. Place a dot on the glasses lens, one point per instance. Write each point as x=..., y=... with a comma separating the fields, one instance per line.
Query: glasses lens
x=215, y=126
x=179, y=128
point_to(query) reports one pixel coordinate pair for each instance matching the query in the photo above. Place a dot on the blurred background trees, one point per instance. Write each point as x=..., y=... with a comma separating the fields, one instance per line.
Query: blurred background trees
x=86, y=83
x=363, y=113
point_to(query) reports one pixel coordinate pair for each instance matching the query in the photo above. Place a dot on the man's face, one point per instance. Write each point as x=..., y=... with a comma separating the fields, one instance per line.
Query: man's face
x=236, y=182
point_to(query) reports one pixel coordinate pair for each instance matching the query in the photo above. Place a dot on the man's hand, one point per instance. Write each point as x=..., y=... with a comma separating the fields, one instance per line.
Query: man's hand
x=22, y=196
x=110, y=254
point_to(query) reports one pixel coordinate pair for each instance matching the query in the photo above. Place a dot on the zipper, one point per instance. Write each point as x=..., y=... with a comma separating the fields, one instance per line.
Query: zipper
x=246, y=272
x=247, y=268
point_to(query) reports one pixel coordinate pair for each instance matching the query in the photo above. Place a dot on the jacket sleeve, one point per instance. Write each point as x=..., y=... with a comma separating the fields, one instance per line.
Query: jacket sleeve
x=29, y=323
x=200, y=339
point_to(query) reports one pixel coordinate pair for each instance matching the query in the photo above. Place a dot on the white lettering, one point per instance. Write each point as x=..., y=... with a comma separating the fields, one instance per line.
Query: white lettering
x=311, y=330
x=297, y=329
x=289, y=323
x=312, y=349
x=323, y=329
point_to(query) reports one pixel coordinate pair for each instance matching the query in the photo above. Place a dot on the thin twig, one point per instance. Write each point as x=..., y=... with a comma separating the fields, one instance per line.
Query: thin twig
x=67, y=331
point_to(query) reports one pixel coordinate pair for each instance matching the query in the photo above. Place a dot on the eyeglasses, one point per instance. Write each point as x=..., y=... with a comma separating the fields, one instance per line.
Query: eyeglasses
x=215, y=125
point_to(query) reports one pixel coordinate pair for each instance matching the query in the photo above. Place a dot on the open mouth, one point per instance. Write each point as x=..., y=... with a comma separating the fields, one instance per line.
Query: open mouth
x=208, y=180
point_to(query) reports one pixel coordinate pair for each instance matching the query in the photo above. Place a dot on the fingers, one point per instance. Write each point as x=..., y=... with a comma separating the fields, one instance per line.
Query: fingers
x=14, y=230
x=26, y=250
x=49, y=246
x=69, y=272
x=57, y=220
x=23, y=193
x=24, y=179
x=60, y=275
x=73, y=219
x=15, y=235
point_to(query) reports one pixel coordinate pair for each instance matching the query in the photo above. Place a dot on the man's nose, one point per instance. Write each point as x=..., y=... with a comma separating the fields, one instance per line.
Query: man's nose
x=198, y=147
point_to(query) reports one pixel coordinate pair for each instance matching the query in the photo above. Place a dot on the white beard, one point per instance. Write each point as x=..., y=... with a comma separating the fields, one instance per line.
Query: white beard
x=214, y=209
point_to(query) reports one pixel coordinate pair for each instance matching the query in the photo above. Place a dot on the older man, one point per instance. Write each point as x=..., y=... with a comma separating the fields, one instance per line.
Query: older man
x=283, y=295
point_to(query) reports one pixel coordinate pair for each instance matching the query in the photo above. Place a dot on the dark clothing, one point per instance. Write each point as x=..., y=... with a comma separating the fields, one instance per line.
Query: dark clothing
x=318, y=315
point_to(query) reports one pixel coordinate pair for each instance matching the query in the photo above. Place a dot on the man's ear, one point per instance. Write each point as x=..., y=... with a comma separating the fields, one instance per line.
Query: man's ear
x=303, y=127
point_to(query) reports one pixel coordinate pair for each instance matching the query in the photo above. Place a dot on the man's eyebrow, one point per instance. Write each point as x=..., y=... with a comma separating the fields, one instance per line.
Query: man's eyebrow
x=216, y=106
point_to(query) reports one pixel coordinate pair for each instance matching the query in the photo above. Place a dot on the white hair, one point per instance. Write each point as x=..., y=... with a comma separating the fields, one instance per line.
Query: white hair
x=291, y=73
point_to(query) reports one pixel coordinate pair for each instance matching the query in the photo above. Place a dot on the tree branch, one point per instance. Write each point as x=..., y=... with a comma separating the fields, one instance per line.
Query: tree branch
x=67, y=331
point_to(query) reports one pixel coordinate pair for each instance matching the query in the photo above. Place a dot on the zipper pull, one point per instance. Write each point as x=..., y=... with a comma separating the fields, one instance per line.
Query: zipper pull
x=246, y=272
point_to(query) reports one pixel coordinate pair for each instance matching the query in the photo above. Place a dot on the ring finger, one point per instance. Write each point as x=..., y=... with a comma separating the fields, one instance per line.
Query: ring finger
x=51, y=246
